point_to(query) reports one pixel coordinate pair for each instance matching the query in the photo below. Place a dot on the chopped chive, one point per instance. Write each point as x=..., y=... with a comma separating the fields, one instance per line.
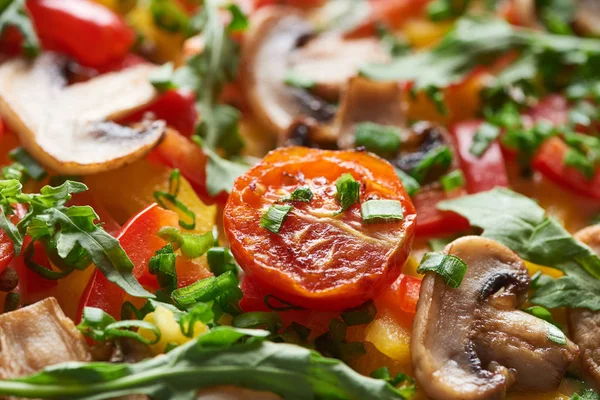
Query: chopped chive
x=162, y=264
x=195, y=245
x=162, y=77
x=541, y=313
x=295, y=79
x=410, y=184
x=555, y=335
x=453, y=180
x=302, y=331
x=484, y=136
x=348, y=192
x=441, y=157
x=273, y=218
x=375, y=211
x=576, y=159
x=360, y=315
x=303, y=194
x=257, y=320
x=377, y=138
x=31, y=166
x=205, y=290
x=284, y=305
x=451, y=268
x=220, y=261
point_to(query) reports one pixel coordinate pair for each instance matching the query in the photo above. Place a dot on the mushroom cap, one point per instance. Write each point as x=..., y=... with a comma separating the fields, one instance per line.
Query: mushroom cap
x=471, y=342
x=68, y=128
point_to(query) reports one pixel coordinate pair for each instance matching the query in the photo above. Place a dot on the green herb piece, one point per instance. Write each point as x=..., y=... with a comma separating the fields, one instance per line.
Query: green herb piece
x=273, y=218
x=220, y=260
x=294, y=79
x=440, y=10
x=303, y=194
x=410, y=184
x=451, y=268
x=223, y=355
x=539, y=279
x=201, y=312
x=162, y=77
x=439, y=244
x=557, y=15
x=239, y=22
x=587, y=394
x=100, y=326
x=162, y=264
x=221, y=173
x=281, y=305
x=453, y=180
x=44, y=272
x=576, y=159
x=404, y=383
x=258, y=320
x=171, y=197
x=195, y=245
x=11, y=302
x=348, y=192
x=541, y=313
x=333, y=343
x=206, y=290
x=394, y=45
x=378, y=211
x=360, y=315
x=555, y=335
x=438, y=158
x=30, y=165
x=377, y=138
x=521, y=224
x=302, y=331
x=484, y=136
x=14, y=171
x=14, y=13
x=169, y=16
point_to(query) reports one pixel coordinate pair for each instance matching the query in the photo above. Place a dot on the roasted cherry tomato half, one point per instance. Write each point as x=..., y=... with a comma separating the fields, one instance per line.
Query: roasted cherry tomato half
x=319, y=260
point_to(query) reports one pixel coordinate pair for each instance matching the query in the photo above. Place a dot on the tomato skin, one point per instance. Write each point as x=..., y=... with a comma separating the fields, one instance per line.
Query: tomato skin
x=289, y=265
x=176, y=107
x=481, y=173
x=549, y=162
x=87, y=31
x=434, y=222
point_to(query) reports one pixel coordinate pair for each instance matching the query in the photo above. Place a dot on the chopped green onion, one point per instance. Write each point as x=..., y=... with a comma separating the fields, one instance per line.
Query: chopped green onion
x=407, y=385
x=171, y=235
x=294, y=79
x=171, y=197
x=239, y=21
x=348, y=192
x=201, y=312
x=377, y=138
x=302, y=331
x=44, y=272
x=273, y=218
x=555, y=335
x=360, y=315
x=258, y=320
x=168, y=16
x=220, y=261
x=11, y=301
x=205, y=290
x=484, y=136
x=32, y=168
x=162, y=264
x=162, y=78
x=541, y=313
x=453, y=180
x=285, y=306
x=100, y=326
x=441, y=157
x=440, y=10
x=376, y=211
x=303, y=194
x=410, y=184
x=451, y=268
x=195, y=245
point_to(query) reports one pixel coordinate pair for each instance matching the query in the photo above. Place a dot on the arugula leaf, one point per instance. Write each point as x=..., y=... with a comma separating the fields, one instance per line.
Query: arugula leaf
x=14, y=14
x=587, y=394
x=521, y=224
x=221, y=173
x=223, y=356
x=451, y=268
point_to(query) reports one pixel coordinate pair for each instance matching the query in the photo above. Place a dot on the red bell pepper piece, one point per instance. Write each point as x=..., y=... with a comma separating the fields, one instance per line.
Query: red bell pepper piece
x=85, y=30
x=549, y=161
x=481, y=173
x=402, y=295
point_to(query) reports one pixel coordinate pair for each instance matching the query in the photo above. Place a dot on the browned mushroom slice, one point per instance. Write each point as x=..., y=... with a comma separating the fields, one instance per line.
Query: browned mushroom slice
x=36, y=337
x=587, y=18
x=585, y=324
x=280, y=41
x=368, y=101
x=472, y=342
x=65, y=127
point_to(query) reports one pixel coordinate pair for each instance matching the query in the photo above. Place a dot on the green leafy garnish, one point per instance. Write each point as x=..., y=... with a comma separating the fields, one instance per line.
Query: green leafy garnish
x=258, y=320
x=29, y=164
x=410, y=184
x=273, y=218
x=169, y=16
x=100, y=326
x=222, y=288
x=220, y=260
x=484, y=136
x=162, y=264
x=404, y=383
x=451, y=268
x=359, y=315
x=348, y=192
x=440, y=10
x=377, y=138
x=223, y=356
x=302, y=194
x=171, y=197
x=376, y=211
x=521, y=224
x=14, y=13
x=437, y=158
x=68, y=232
x=453, y=180
x=294, y=79
x=587, y=394
x=221, y=173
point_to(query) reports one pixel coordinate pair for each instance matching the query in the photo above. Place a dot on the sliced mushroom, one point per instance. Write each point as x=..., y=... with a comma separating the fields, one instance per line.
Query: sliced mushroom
x=585, y=324
x=68, y=128
x=587, y=18
x=281, y=40
x=368, y=101
x=472, y=342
